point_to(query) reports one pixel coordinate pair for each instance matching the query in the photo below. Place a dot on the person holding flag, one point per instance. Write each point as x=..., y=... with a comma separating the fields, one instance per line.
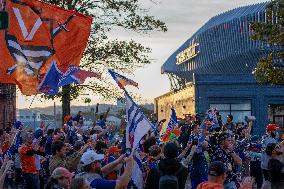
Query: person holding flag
x=137, y=127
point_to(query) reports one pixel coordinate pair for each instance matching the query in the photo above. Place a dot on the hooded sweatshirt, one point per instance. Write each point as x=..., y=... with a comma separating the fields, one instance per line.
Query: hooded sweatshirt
x=167, y=167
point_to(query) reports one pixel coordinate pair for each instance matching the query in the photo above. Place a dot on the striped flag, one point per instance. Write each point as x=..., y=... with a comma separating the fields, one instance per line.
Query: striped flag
x=54, y=78
x=173, y=120
x=137, y=126
x=75, y=75
x=121, y=80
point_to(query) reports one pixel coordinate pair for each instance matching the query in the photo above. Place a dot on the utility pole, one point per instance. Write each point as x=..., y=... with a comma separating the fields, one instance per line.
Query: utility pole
x=54, y=113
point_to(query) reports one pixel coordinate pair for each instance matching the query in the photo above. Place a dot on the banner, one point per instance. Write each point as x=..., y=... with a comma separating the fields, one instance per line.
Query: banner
x=39, y=34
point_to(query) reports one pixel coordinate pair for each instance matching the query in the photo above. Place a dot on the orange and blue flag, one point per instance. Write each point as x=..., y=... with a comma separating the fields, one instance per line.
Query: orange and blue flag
x=121, y=80
x=39, y=34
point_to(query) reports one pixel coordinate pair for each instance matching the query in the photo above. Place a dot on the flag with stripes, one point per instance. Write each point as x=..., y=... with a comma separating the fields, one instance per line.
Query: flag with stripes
x=39, y=34
x=137, y=126
x=173, y=120
x=121, y=80
x=75, y=75
x=55, y=78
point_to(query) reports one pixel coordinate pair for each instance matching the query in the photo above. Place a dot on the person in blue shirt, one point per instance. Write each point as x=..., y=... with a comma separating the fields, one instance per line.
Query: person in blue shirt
x=94, y=172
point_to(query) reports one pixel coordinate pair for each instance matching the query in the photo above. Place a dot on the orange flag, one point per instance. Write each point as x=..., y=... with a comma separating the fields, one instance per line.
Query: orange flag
x=38, y=34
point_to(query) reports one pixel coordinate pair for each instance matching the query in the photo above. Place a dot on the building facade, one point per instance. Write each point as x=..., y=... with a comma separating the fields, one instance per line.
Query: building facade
x=29, y=118
x=215, y=66
x=7, y=105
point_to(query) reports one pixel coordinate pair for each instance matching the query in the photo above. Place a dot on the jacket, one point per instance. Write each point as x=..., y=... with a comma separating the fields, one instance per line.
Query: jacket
x=167, y=167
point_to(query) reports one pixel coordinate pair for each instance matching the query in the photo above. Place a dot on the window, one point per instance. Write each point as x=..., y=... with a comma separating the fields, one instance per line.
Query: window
x=238, y=111
x=28, y=117
x=21, y=117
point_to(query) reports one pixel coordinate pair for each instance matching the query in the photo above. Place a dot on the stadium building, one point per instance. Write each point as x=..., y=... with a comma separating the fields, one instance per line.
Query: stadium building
x=213, y=68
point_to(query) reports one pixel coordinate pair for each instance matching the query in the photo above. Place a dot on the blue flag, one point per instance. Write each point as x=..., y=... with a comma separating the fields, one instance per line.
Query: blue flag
x=173, y=120
x=54, y=78
x=49, y=84
x=75, y=75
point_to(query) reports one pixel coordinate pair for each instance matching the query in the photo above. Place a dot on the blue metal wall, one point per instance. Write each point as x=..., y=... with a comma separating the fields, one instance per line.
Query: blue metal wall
x=237, y=89
x=225, y=45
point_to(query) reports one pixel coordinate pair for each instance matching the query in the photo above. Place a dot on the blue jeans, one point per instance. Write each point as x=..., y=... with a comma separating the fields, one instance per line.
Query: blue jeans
x=31, y=180
x=196, y=181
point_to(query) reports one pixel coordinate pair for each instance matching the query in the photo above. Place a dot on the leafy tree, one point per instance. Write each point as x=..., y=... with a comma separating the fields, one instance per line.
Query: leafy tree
x=270, y=68
x=101, y=51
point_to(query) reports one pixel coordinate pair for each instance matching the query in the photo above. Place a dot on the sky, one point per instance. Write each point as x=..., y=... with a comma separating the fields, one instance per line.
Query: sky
x=183, y=18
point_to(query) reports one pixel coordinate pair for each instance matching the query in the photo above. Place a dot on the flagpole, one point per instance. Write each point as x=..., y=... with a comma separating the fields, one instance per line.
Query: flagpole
x=32, y=101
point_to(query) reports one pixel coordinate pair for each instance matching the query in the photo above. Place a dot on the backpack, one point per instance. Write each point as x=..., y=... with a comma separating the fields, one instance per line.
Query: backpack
x=169, y=181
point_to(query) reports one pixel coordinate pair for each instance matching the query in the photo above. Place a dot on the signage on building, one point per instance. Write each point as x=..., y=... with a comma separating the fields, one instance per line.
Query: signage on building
x=188, y=53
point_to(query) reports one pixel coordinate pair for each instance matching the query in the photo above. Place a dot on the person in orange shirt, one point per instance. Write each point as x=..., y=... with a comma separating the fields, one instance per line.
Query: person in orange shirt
x=27, y=155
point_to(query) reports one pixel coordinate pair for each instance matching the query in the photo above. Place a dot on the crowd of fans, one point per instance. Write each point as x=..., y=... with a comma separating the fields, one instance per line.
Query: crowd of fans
x=196, y=154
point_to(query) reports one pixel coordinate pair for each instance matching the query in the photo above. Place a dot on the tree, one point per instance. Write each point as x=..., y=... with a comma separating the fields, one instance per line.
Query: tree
x=101, y=51
x=270, y=68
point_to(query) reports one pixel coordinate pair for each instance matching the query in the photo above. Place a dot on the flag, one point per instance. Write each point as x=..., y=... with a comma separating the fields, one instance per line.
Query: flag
x=137, y=126
x=55, y=78
x=39, y=34
x=173, y=120
x=75, y=75
x=49, y=84
x=121, y=80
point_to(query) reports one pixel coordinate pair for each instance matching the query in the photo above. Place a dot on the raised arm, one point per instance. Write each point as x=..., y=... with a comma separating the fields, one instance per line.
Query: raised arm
x=111, y=166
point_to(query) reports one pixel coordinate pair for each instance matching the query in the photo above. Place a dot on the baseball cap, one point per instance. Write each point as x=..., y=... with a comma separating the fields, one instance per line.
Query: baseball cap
x=113, y=149
x=217, y=168
x=272, y=127
x=61, y=172
x=90, y=156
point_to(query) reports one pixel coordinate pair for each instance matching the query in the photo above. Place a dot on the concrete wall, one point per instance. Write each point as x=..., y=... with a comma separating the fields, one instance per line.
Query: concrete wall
x=183, y=101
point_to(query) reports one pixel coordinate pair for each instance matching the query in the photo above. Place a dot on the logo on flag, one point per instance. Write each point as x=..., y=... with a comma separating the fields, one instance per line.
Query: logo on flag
x=121, y=80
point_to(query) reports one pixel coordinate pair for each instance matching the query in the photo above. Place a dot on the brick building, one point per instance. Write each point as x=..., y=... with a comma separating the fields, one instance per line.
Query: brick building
x=7, y=105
